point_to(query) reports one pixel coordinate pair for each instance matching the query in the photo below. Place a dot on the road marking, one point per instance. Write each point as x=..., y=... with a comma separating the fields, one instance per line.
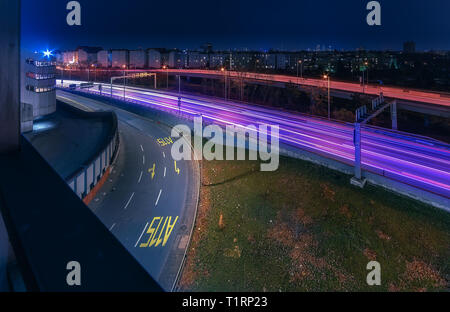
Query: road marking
x=140, y=177
x=160, y=233
x=143, y=159
x=164, y=141
x=177, y=170
x=142, y=149
x=159, y=195
x=112, y=227
x=165, y=169
x=164, y=155
x=141, y=235
x=131, y=197
x=152, y=170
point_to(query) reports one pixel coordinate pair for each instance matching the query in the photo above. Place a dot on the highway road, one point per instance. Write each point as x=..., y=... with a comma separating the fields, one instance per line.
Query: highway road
x=144, y=201
x=414, y=160
x=434, y=98
x=420, y=96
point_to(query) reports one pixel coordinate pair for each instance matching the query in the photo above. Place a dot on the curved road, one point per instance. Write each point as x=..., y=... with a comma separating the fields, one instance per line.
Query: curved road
x=147, y=201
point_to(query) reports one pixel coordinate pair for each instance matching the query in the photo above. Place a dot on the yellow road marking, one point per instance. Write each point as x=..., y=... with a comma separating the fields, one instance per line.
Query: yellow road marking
x=177, y=170
x=152, y=171
x=164, y=141
x=159, y=231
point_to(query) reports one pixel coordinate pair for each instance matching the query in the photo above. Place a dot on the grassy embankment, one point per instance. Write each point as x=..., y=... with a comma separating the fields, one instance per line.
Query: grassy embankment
x=304, y=228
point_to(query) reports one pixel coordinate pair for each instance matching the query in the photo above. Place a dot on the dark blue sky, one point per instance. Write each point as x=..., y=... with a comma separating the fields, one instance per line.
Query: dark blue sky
x=262, y=24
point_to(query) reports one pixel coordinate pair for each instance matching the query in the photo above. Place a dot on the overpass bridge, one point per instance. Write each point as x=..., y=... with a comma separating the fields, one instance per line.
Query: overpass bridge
x=426, y=102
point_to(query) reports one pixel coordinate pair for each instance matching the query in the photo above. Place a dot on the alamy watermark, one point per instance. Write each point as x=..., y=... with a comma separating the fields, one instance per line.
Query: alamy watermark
x=74, y=16
x=261, y=142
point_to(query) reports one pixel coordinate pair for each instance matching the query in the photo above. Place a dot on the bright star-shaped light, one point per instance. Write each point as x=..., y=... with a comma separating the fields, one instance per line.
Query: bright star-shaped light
x=48, y=53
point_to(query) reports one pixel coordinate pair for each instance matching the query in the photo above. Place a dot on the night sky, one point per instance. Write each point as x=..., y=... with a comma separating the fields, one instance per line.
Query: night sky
x=236, y=24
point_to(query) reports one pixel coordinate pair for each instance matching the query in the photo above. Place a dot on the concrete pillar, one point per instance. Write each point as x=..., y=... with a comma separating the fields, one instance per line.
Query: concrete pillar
x=357, y=179
x=394, y=115
x=357, y=139
x=9, y=75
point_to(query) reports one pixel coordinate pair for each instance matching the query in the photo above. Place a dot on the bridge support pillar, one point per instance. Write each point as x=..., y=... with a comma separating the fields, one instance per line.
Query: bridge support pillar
x=357, y=179
x=394, y=115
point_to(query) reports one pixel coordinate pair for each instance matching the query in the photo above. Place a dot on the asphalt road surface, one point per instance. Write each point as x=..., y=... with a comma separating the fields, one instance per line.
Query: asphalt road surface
x=145, y=202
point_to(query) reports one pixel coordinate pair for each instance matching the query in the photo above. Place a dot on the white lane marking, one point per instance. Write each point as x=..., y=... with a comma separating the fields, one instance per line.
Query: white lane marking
x=112, y=227
x=143, y=159
x=131, y=197
x=140, y=177
x=165, y=169
x=142, y=149
x=141, y=235
x=159, y=195
x=164, y=155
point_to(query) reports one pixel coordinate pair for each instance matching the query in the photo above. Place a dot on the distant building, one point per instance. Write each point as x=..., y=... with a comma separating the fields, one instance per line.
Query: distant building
x=153, y=58
x=282, y=61
x=58, y=57
x=197, y=60
x=138, y=59
x=70, y=57
x=87, y=55
x=177, y=59
x=119, y=58
x=217, y=60
x=38, y=88
x=103, y=59
x=265, y=61
x=409, y=47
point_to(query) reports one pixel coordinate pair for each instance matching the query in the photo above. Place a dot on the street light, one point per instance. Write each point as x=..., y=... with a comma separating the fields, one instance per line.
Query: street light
x=167, y=72
x=367, y=68
x=328, y=79
x=301, y=67
x=124, y=81
x=95, y=72
x=225, y=82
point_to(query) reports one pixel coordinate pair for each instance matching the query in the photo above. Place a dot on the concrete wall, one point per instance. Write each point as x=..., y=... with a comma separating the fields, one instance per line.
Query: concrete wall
x=9, y=75
x=85, y=180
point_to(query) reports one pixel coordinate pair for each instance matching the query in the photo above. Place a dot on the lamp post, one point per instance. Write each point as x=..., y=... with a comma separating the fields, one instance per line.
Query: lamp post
x=329, y=109
x=367, y=68
x=124, y=81
x=95, y=72
x=301, y=69
x=167, y=74
x=224, y=82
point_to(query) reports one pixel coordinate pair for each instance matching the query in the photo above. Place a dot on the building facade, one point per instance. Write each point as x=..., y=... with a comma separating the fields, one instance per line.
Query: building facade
x=70, y=57
x=38, y=89
x=177, y=59
x=153, y=59
x=138, y=59
x=103, y=59
x=119, y=58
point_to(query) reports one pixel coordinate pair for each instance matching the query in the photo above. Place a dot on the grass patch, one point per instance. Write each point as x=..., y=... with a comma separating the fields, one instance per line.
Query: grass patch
x=305, y=228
